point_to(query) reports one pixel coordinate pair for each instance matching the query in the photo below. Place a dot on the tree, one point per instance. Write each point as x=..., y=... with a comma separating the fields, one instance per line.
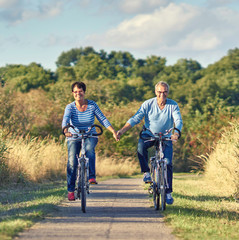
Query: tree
x=70, y=58
x=92, y=67
x=150, y=69
x=23, y=78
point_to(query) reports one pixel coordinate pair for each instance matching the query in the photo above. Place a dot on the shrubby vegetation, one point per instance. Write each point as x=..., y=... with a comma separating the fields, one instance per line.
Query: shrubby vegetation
x=33, y=99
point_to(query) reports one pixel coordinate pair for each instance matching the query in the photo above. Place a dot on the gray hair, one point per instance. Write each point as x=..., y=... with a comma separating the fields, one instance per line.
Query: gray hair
x=162, y=83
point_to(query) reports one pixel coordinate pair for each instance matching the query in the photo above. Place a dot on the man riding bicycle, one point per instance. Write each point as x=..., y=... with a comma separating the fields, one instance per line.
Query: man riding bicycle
x=160, y=114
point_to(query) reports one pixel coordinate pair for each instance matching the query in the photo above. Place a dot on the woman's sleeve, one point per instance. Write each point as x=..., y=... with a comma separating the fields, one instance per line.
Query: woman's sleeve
x=67, y=116
x=101, y=117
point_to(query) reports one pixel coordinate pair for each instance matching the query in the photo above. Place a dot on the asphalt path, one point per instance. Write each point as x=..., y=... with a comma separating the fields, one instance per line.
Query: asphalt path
x=116, y=209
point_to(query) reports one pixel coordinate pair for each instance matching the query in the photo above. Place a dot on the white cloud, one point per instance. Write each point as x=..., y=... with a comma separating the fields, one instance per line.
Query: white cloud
x=7, y=3
x=199, y=41
x=180, y=28
x=51, y=10
x=217, y=3
x=148, y=30
x=141, y=6
x=15, y=12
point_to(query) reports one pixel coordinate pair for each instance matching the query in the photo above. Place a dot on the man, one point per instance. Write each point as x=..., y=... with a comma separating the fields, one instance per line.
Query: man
x=160, y=114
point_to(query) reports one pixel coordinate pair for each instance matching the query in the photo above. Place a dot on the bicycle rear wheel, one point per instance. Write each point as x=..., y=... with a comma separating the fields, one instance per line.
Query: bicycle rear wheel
x=156, y=196
x=162, y=187
x=83, y=186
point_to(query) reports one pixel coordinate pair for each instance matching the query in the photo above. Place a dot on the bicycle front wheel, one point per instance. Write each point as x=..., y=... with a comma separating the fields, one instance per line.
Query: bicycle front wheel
x=162, y=187
x=156, y=196
x=83, y=186
x=78, y=182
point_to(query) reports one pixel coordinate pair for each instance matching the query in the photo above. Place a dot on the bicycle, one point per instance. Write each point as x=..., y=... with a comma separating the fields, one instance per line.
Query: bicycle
x=82, y=177
x=158, y=166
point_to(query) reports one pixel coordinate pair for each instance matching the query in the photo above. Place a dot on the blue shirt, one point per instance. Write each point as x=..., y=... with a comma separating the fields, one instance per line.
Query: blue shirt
x=83, y=120
x=158, y=120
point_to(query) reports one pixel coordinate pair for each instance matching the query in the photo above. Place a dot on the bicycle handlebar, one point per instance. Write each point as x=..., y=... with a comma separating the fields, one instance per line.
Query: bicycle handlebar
x=84, y=132
x=158, y=135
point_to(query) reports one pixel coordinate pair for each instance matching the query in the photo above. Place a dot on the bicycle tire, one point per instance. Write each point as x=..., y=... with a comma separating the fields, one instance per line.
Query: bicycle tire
x=78, y=181
x=162, y=187
x=83, y=187
x=156, y=196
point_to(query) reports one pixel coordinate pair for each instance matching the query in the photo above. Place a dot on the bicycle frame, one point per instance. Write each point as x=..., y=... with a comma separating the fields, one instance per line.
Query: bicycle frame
x=159, y=175
x=158, y=168
x=83, y=162
x=82, y=178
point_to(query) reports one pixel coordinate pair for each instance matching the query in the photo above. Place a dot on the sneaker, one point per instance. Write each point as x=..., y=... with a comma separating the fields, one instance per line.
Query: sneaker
x=169, y=199
x=71, y=196
x=147, y=177
x=92, y=181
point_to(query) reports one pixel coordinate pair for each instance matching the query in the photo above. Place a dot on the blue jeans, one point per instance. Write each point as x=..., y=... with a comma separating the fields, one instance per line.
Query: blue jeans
x=168, y=154
x=74, y=148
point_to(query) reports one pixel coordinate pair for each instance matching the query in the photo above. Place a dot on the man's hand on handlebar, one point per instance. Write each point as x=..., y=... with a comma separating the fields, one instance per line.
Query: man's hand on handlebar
x=175, y=136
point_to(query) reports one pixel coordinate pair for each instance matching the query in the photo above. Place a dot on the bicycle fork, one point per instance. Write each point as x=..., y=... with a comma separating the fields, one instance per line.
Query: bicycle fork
x=78, y=180
x=164, y=167
x=156, y=164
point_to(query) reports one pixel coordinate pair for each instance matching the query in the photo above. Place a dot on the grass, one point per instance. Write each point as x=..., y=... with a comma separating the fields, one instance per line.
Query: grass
x=23, y=205
x=200, y=213
x=221, y=166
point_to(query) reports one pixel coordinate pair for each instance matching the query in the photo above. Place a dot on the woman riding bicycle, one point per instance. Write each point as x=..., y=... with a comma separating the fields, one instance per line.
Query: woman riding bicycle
x=81, y=114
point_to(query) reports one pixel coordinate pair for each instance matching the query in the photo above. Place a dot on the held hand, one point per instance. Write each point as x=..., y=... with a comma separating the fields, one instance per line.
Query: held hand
x=116, y=136
x=119, y=134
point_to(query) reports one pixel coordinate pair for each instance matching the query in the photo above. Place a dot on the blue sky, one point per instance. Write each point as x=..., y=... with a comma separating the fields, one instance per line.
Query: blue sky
x=40, y=30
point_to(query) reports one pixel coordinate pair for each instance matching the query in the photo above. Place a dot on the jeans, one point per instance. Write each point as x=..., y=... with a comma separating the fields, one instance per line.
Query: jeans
x=168, y=154
x=74, y=148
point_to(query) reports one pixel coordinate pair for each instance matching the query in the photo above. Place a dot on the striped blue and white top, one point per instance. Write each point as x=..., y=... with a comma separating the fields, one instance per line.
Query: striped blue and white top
x=83, y=120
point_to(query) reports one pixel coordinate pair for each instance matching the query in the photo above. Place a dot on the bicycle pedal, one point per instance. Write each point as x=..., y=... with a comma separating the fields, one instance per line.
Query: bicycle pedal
x=150, y=191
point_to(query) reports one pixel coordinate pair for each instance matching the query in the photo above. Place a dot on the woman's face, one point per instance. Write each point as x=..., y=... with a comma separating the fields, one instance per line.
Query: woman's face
x=78, y=93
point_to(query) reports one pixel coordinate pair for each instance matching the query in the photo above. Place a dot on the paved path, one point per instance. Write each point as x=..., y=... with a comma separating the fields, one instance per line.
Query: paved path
x=116, y=209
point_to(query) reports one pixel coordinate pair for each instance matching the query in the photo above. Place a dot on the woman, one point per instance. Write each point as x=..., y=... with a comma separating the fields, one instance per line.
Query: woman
x=81, y=114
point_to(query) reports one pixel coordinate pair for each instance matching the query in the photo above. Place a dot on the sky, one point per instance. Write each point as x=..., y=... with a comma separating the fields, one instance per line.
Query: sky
x=40, y=30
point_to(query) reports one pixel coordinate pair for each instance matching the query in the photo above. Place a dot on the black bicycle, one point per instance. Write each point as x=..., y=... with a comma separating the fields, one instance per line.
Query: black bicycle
x=82, y=177
x=158, y=166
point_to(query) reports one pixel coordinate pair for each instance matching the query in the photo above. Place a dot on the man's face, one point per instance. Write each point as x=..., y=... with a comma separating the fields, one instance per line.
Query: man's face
x=161, y=92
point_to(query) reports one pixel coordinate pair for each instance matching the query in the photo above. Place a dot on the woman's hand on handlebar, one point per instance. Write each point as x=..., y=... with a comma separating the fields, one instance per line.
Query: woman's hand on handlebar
x=67, y=134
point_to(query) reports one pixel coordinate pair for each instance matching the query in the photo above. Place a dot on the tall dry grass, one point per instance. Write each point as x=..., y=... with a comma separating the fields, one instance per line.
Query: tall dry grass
x=222, y=165
x=38, y=160
x=35, y=159
x=112, y=167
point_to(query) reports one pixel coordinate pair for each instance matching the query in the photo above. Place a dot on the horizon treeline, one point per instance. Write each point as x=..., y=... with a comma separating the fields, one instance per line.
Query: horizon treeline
x=33, y=99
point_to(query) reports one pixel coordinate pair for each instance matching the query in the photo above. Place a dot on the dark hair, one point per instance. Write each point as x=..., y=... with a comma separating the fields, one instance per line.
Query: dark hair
x=79, y=85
